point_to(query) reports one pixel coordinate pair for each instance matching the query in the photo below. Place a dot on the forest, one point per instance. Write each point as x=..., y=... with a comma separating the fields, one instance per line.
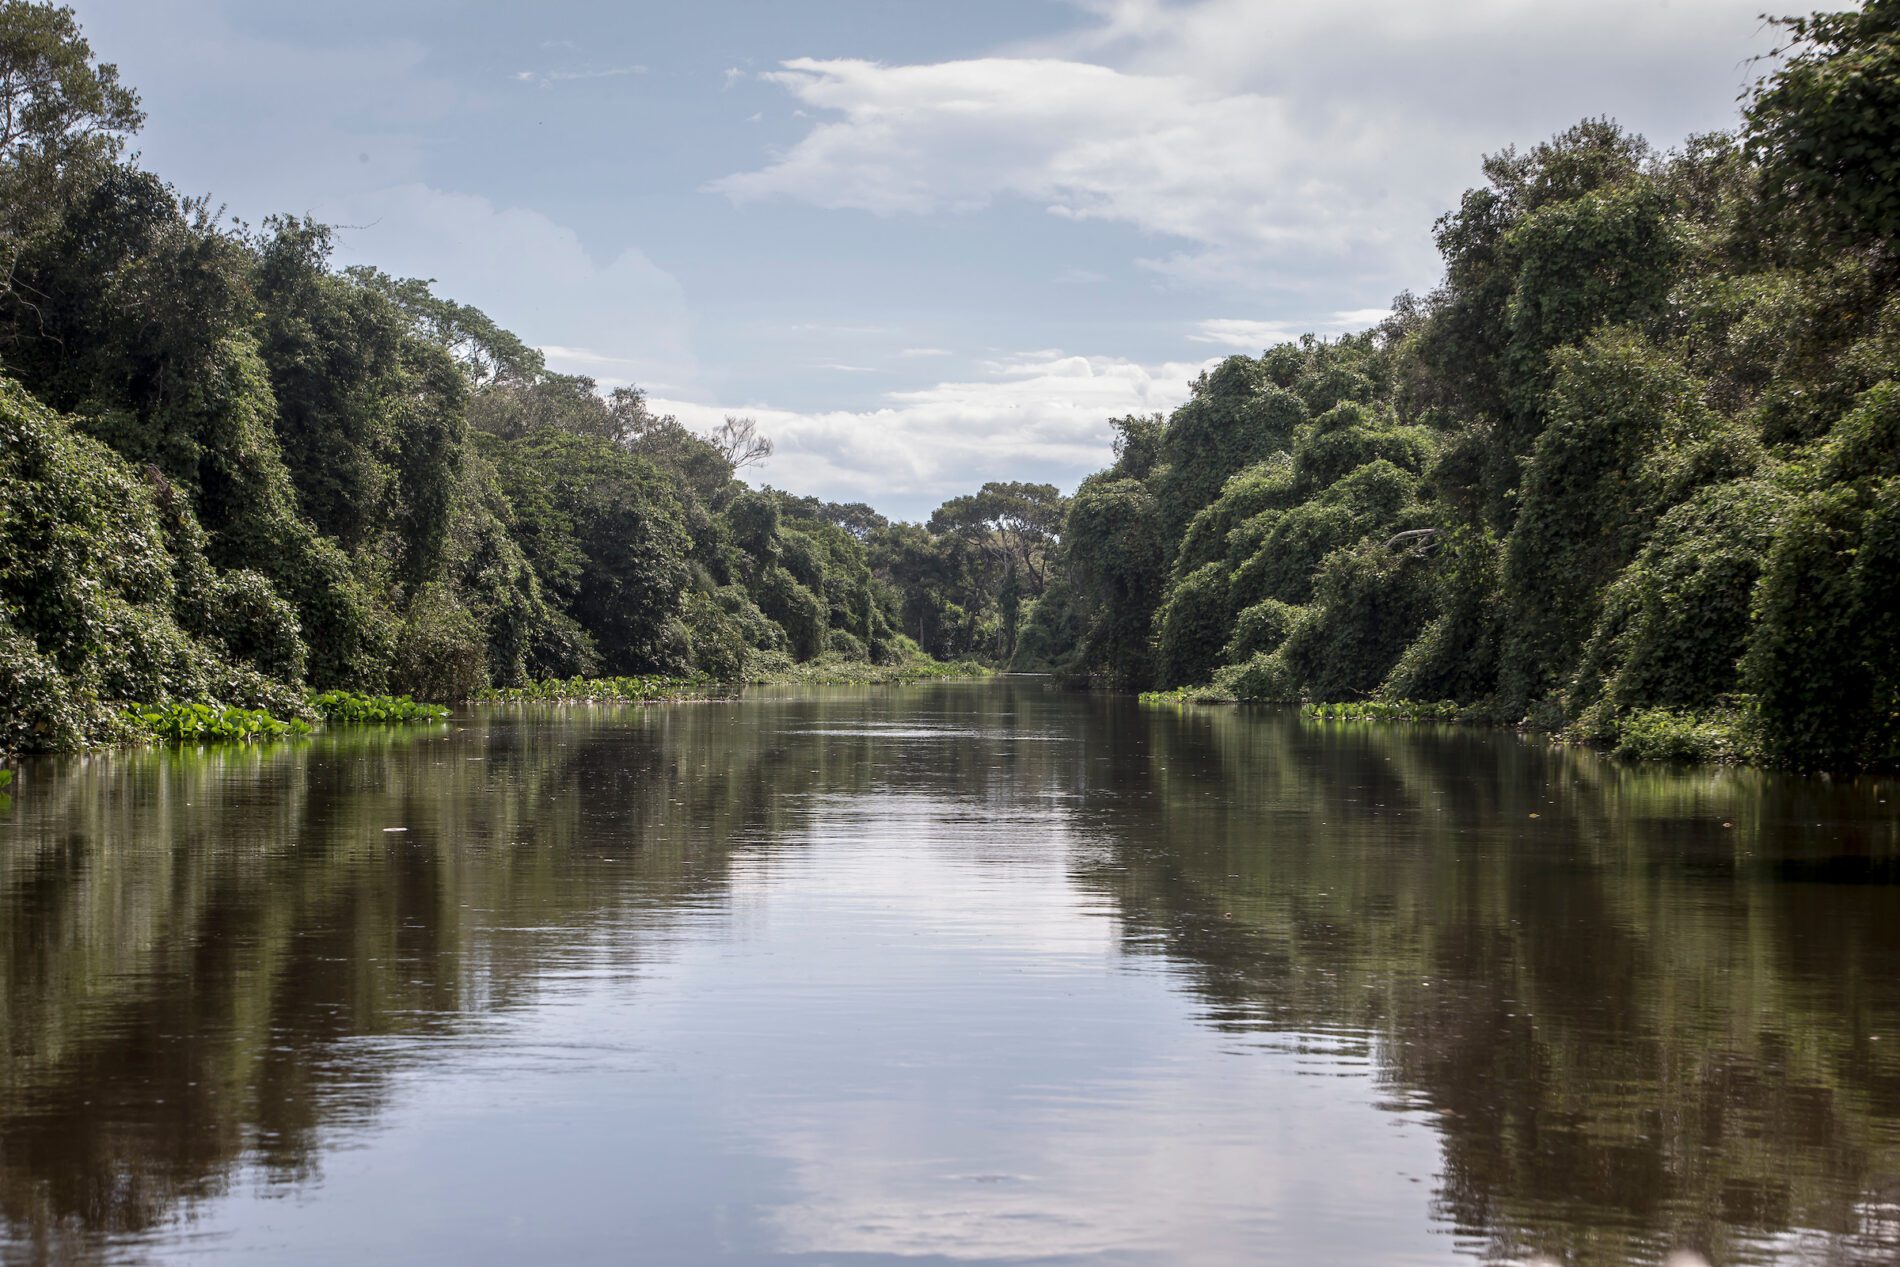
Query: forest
x=1630, y=473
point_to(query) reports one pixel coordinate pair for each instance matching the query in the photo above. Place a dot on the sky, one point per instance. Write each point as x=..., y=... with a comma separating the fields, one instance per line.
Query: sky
x=925, y=245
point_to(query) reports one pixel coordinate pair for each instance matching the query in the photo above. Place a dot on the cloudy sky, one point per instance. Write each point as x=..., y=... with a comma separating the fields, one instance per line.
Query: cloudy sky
x=924, y=244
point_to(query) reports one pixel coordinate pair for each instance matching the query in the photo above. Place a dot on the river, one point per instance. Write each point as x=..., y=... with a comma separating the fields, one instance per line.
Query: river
x=961, y=973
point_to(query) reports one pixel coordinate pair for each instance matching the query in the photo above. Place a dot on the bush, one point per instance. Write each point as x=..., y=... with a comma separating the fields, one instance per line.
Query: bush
x=256, y=626
x=1675, y=622
x=1662, y=734
x=441, y=649
x=1261, y=627
x=1193, y=626
x=1628, y=433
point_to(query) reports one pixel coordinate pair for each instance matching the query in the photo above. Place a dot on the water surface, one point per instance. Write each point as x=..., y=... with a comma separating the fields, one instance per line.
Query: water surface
x=948, y=974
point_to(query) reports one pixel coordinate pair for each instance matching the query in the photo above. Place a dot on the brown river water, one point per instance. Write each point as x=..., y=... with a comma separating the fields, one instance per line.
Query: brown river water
x=951, y=974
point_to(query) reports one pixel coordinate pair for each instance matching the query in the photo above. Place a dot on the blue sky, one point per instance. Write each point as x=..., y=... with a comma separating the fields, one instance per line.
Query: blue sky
x=925, y=245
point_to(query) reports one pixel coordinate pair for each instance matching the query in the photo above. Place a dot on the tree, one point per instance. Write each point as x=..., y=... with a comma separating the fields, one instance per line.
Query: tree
x=1825, y=127
x=58, y=107
x=739, y=440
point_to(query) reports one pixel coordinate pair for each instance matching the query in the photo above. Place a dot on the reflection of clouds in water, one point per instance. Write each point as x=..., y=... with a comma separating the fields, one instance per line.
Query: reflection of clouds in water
x=1159, y=1166
x=906, y=864
x=1116, y=1140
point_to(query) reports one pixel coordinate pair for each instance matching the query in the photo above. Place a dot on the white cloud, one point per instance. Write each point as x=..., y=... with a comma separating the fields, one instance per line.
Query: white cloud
x=1226, y=172
x=1231, y=332
x=925, y=352
x=1041, y=416
x=1360, y=318
x=1250, y=335
x=1283, y=147
x=545, y=78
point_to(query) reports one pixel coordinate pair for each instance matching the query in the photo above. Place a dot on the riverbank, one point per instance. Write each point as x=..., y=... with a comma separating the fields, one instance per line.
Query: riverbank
x=203, y=721
x=1725, y=736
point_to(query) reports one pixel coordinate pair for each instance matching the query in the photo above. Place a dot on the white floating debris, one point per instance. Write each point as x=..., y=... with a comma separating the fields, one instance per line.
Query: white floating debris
x=395, y=829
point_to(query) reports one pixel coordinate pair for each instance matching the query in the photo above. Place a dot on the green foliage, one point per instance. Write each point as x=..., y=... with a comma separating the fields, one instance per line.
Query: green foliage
x=1676, y=621
x=209, y=723
x=831, y=671
x=1606, y=257
x=1260, y=627
x=796, y=610
x=86, y=587
x=1116, y=548
x=1632, y=463
x=1193, y=626
x=347, y=708
x=61, y=108
x=1186, y=695
x=1267, y=677
x=1662, y=734
x=1630, y=470
x=441, y=649
x=1235, y=417
x=1628, y=435
x=637, y=688
x=1291, y=544
x=1385, y=710
x=603, y=529
x=719, y=635
x=1350, y=436
x=1370, y=602
x=1824, y=128
x=1824, y=653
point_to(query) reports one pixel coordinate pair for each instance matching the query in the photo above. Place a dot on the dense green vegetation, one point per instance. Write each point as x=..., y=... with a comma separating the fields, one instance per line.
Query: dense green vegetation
x=231, y=473
x=347, y=708
x=205, y=723
x=1632, y=471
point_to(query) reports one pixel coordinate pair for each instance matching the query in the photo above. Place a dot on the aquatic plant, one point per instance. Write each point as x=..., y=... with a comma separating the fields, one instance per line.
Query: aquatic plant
x=637, y=688
x=1404, y=710
x=1188, y=695
x=837, y=671
x=195, y=722
x=348, y=708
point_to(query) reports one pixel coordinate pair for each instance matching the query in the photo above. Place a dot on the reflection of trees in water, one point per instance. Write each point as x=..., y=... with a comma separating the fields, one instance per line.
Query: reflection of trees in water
x=1637, y=1027
x=200, y=950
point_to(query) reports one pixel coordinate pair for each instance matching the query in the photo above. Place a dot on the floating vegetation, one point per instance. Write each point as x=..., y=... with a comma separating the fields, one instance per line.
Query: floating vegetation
x=1405, y=710
x=1189, y=695
x=347, y=708
x=209, y=723
x=827, y=671
x=635, y=689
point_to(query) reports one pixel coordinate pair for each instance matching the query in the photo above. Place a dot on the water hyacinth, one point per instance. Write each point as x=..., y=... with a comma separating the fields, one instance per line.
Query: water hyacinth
x=351, y=709
x=208, y=723
x=1384, y=710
